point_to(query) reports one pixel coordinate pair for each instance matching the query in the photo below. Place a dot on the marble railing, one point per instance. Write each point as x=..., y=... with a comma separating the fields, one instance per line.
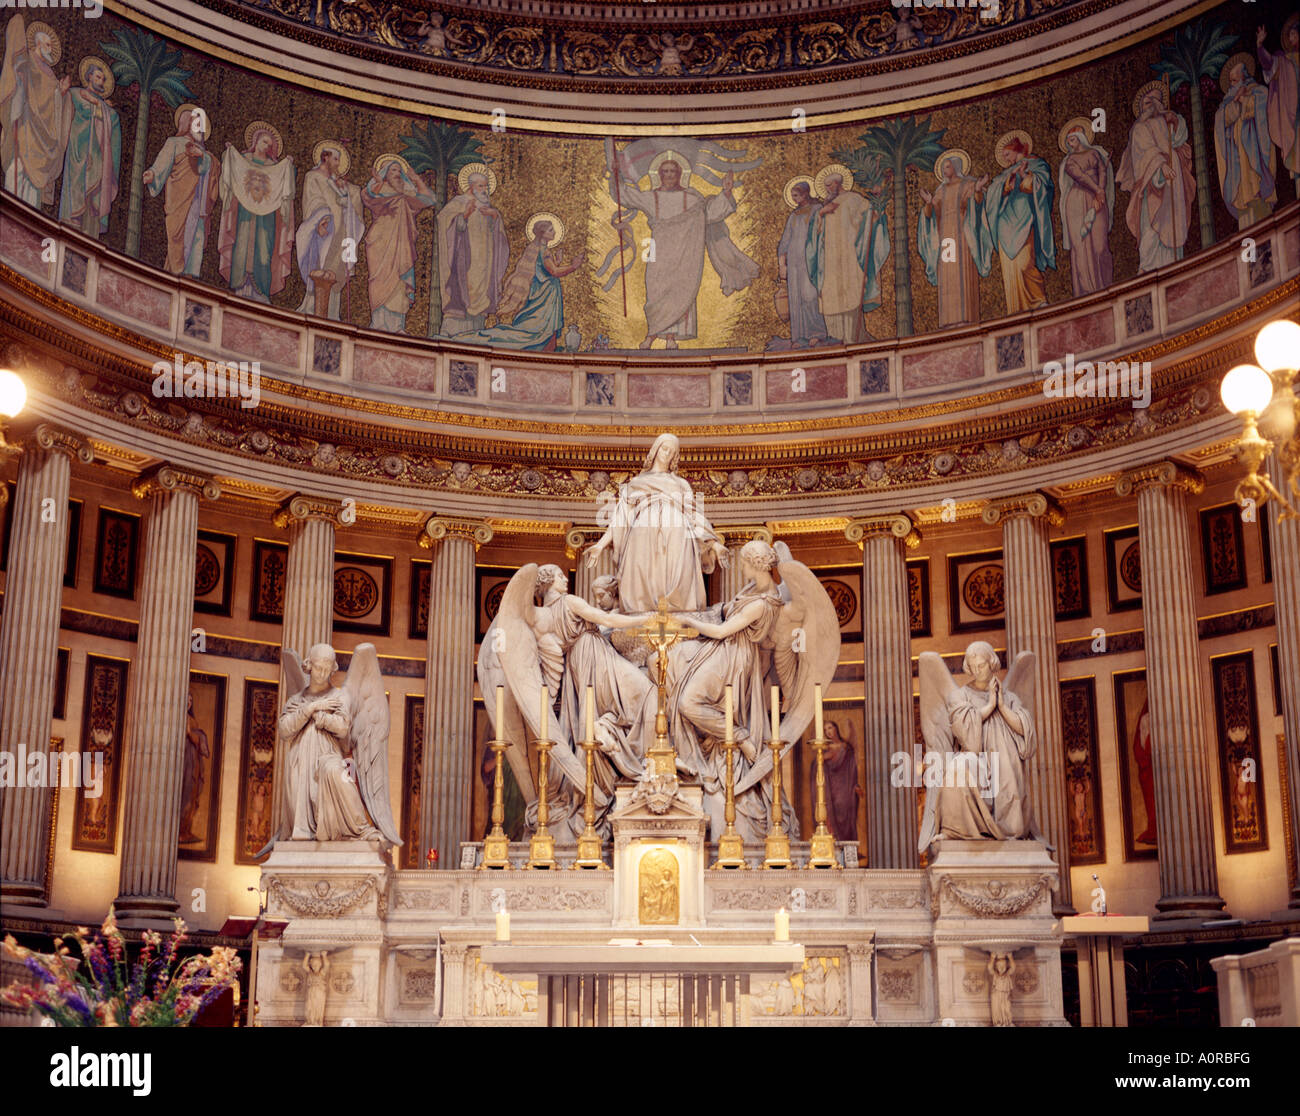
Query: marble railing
x=1157, y=316
x=1260, y=989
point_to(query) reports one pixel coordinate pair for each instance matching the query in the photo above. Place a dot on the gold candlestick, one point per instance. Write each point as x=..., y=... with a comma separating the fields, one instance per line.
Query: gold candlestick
x=496, y=845
x=821, y=851
x=589, y=842
x=777, y=846
x=541, y=848
x=731, y=848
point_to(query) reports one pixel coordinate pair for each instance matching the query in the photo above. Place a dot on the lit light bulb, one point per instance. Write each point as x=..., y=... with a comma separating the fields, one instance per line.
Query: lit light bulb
x=1246, y=388
x=1277, y=348
x=13, y=393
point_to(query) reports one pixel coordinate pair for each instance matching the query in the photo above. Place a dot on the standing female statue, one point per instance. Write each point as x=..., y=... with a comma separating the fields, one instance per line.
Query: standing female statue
x=663, y=544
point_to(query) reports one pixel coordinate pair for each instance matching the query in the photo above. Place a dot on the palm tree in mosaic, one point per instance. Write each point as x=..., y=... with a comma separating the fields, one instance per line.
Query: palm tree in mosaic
x=138, y=58
x=1197, y=50
x=889, y=149
x=442, y=149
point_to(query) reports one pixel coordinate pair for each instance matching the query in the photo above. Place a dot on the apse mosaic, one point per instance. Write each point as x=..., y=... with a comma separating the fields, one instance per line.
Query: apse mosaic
x=589, y=243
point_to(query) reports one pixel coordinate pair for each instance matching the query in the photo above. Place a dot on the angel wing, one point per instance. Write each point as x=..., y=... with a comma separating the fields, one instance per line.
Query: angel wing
x=295, y=678
x=521, y=674
x=364, y=687
x=491, y=674
x=806, y=650
x=937, y=684
x=1020, y=680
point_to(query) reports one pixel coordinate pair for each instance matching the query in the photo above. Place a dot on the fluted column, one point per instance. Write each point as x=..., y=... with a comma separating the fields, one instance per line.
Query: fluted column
x=887, y=687
x=308, y=599
x=1180, y=741
x=29, y=642
x=1284, y=538
x=1031, y=626
x=725, y=584
x=577, y=542
x=448, y=766
x=155, y=746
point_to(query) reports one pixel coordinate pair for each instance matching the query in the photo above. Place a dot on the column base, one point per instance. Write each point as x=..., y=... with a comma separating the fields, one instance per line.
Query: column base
x=17, y=894
x=28, y=912
x=1187, y=907
x=146, y=912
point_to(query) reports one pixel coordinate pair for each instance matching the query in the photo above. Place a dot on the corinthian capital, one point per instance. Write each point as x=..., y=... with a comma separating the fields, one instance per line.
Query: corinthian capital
x=48, y=436
x=439, y=527
x=1031, y=505
x=899, y=526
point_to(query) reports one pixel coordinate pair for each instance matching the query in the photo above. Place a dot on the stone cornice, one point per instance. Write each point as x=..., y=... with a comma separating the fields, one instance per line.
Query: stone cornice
x=1165, y=472
x=438, y=528
x=899, y=526
x=168, y=478
x=299, y=508
x=1034, y=505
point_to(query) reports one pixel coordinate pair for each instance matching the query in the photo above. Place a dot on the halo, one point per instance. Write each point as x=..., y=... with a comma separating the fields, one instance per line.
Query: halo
x=187, y=107
x=345, y=160
x=33, y=29
x=999, y=148
x=381, y=165
x=960, y=154
x=788, y=192
x=1231, y=64
x=819, y=183
x=666, y=157
x=462, y=179
x=1292, y=21
x=1079, y=123
x=1140, y=96
x=556, y=224
x=89, y=62
x=256, y=126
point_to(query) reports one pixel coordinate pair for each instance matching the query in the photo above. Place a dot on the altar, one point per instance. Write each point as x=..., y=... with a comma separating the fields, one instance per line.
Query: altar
x=664, y=880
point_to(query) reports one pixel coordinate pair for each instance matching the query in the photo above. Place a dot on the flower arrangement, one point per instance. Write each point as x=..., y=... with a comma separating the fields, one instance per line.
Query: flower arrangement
x=102, y=990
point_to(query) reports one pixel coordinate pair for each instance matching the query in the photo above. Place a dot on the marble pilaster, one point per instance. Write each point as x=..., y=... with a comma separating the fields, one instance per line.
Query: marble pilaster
x=1180, y=738
x=29, y=641
x=160, y=677
x=448, y=775
x=1284, y=539
x=1027, y=521
x=887, y=686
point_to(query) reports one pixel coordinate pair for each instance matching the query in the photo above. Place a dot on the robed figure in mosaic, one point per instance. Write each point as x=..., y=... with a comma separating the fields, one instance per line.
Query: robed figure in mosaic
x=980, y=737
x=685, y=225
x=257, y=190
x=394, y=195
x=473, y=252
x=1242, y=144
x=848, y=243
x=1019, y=209
x=663, y=544
x=94, y=151
x=1281, y=73
x=186, y=174
x=331, y=230
x=1087, y=206
x=807, y=326
x=1156, y=169
x=952, y=236
x=35, y=112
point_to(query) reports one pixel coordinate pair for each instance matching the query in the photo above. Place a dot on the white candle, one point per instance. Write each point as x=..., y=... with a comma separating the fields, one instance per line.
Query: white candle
x=776, y=714
x=782, y=931
x=591, y=712
x=817, y=697
x=503, y=926
x=545, y=722
x=501, y=712
x=731, y=735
